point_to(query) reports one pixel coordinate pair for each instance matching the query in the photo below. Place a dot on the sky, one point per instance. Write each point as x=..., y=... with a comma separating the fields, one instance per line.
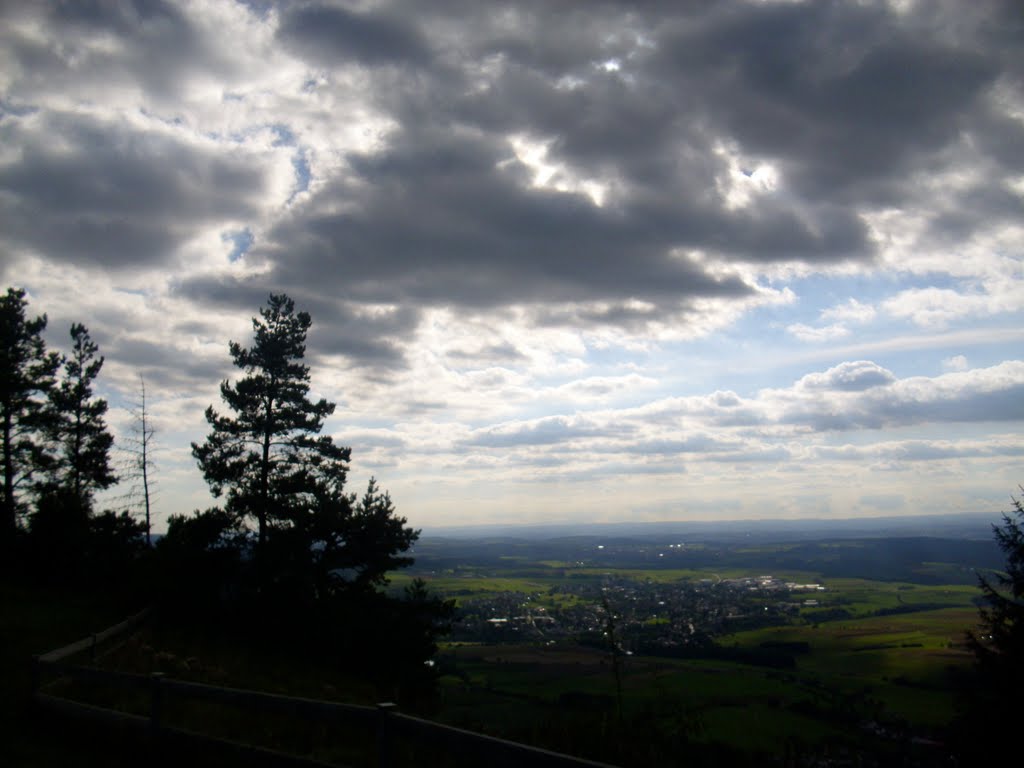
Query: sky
x=566, y=261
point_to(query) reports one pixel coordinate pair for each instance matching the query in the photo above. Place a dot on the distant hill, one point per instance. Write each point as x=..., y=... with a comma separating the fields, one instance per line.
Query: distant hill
x=973, y=526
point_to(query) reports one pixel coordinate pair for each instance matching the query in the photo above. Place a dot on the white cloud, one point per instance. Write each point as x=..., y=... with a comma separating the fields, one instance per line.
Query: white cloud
x=851, y=311
x=839, y=319
x=821, y=334
x=955, y=363
x=557, y=306
x=848, y=377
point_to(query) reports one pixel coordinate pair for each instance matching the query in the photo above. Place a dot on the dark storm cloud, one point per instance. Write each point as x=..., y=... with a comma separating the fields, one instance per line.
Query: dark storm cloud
x=972, y=209
x=847, y=101
x=100, y=193
x=851, y=104
x=446, y=224
x=338, y=328
x=850, y=97
x=336, y=35
x=150, y=46
x=164, y=365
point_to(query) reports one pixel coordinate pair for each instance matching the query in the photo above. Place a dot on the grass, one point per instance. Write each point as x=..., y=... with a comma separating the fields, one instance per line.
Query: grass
x=905, y=659
x=862, y=597
x=894, y=666
x=891, y=656
x=717, y=702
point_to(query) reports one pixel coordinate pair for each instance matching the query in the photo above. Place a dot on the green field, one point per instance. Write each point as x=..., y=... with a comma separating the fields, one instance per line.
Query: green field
x=869, y=652
x=875, y=651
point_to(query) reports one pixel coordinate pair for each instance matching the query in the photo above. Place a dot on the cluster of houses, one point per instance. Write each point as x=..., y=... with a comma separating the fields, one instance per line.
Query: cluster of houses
x=640, y=612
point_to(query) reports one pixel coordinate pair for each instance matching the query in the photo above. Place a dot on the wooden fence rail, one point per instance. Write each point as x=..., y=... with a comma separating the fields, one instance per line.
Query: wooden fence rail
x=91, y=642
x=390, y=727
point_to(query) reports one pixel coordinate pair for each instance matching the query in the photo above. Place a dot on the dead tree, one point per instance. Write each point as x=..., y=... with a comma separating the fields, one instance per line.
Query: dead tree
x=138, y=446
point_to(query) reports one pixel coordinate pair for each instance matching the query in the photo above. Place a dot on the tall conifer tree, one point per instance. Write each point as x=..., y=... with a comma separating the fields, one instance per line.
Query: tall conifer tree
x=80, y=431
x=265, y=453
x=1000, y=645
x=27, y=374
x=985, y=730
x=275, y=467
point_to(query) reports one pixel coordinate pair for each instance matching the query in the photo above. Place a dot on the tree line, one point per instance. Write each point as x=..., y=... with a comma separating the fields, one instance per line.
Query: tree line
x=56, y=446
x=290, y=556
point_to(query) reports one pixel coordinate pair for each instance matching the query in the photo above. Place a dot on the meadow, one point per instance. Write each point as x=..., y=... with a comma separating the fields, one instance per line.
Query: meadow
x=864, y=666
x=874, y=662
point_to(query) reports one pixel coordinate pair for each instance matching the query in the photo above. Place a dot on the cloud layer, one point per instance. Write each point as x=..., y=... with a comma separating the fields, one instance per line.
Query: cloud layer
x=520, y=227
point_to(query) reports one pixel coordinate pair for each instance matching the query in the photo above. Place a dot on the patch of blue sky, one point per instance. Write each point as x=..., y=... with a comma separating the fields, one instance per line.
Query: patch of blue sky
x=613, y=361
x=285, y=137
x=817, y=293
x=241, y=241
x=303, y=173
x=176, y=121
x=261, y=8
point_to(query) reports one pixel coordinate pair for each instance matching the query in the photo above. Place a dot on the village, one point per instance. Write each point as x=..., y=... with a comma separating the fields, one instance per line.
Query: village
x=641, y=615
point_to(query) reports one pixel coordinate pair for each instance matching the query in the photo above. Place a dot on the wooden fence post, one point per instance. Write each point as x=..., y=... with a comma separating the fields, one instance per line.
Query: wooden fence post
x=156, y=701
x=385, y=737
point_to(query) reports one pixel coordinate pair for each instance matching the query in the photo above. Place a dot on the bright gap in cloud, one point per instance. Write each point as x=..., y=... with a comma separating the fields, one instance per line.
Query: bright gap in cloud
x=552, y=175
x=744, y=179
x=241, y=241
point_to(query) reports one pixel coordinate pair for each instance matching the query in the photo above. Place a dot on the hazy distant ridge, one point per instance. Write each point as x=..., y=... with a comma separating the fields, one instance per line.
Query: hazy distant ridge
x=975, y=526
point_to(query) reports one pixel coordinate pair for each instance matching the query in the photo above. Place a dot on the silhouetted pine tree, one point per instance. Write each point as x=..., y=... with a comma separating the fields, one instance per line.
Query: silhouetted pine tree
x=27, y=374
x=79, y=429
x=269, y=459
x=985, y=730
x=1000, y=644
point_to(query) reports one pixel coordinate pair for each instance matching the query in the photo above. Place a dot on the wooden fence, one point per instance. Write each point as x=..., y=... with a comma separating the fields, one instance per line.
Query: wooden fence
x=392, y=729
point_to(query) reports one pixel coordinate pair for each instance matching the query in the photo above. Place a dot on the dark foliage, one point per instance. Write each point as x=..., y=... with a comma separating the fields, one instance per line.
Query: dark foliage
x=308, y=579
x=985, y=730
x=59, y=528
x=27, y=374
x=208, y=581
x=81, y=551
x=118, y=552
x=67, y=542
x=1000, y=644
x=268, y=456
x=78, y=427
x=270, y=460
x=200, y=565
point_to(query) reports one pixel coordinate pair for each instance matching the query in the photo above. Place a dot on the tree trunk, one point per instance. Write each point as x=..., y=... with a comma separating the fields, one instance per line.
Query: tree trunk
x=10, y=522
x=263, y=506
x=264, y=502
